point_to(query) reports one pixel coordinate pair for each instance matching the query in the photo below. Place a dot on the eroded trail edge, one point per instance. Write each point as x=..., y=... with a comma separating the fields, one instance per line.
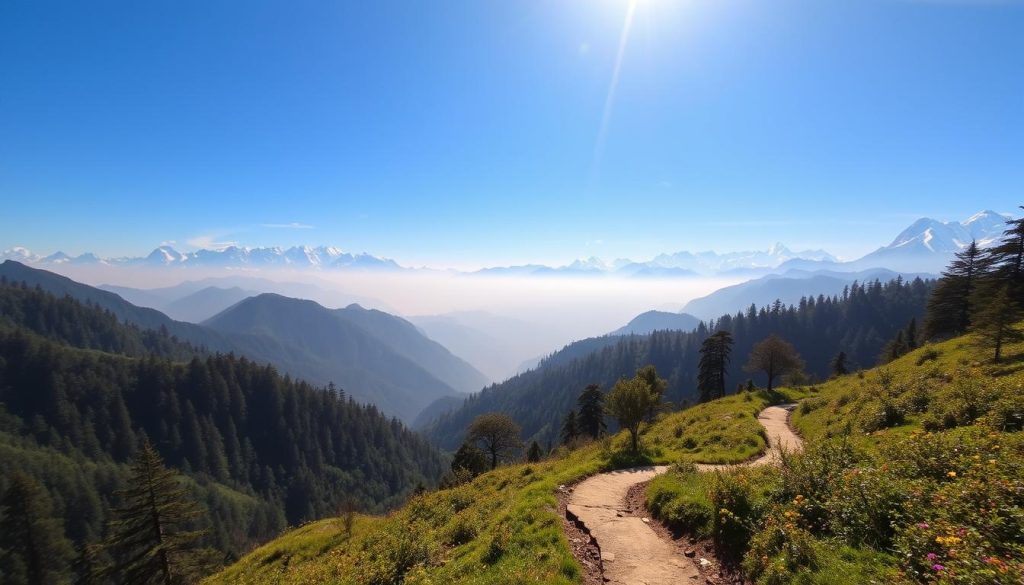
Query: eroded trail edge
x=631, y=551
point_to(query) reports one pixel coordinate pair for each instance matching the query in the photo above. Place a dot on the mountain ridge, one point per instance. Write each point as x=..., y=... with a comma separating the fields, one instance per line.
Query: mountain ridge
x=924, y=246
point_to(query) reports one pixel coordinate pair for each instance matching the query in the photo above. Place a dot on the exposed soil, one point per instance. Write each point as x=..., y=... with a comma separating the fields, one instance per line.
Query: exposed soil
x=719, y=572
x=616, y=541
x=584, y=546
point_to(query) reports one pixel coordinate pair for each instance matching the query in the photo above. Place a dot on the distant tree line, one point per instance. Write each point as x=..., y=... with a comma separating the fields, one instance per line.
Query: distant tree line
x=857, y=323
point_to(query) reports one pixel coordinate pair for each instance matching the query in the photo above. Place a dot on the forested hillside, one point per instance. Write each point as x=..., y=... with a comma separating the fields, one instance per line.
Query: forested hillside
x=377, y=357
x=860, y=322
x=84, y=325
x=260, y=451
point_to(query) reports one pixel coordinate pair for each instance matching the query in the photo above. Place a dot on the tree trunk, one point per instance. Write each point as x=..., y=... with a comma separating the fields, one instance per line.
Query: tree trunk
x=633, y=436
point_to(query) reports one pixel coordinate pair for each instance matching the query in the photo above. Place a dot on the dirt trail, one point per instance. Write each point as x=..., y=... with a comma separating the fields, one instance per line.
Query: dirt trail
x=632, y=552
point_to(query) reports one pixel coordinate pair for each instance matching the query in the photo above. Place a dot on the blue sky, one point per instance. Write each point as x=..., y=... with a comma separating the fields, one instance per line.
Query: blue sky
x=466, y=132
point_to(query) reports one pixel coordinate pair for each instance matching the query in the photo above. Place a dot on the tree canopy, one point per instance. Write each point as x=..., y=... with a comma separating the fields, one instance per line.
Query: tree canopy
x=497, y=435
x=774, y=357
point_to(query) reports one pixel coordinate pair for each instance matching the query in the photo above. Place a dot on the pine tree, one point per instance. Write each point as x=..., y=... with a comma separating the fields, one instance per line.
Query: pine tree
x=34, y=549
x=89, y=566
x=1007, y=258
x=839, y=367
x=949, y=307
x=570, y=428
x=714, y=359
x=534, y=454
x=996, y=319
x=590, y=420
x=911, y=335
x=894, y=349
x=148, y=532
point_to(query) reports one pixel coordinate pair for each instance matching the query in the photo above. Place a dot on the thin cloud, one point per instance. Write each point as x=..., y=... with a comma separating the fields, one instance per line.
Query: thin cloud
x=288, y=226
x=209, y=243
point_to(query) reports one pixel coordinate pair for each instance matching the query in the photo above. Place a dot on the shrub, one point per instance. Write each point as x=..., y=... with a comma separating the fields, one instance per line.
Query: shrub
x=928, y=355
x=866, y=505
x=780, y=550
x=739, y=499
x=387, y=555
x=498, y=544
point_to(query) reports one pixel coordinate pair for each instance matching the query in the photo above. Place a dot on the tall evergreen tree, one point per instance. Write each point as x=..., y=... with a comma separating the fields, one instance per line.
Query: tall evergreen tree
x=714, y=359
x=590, y=420
x=32, y=543
x=89, y=567
x=570, y=428
x=149, y=533
x=1007, y=258
x=839, y=366
x=894, y=349
x=996, y=319
x=949, y=307
x=911, y=335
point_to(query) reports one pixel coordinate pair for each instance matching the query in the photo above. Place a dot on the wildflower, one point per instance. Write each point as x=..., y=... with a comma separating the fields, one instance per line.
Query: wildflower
x=938, y=567
x=922, y=525
x=991, y=461
x=951, y=474
x=932, y=556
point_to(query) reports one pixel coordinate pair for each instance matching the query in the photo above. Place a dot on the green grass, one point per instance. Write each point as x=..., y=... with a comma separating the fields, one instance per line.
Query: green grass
x=721, y=431
x=503, y=528
x=913, y=473
x=881, y=445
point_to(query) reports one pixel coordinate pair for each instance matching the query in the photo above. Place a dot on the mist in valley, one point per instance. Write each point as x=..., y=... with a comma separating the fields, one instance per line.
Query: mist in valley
x=500, y=324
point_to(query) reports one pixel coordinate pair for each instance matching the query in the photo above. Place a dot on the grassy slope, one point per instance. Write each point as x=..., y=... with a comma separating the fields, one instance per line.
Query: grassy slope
x=906, y=456
x=502, y=528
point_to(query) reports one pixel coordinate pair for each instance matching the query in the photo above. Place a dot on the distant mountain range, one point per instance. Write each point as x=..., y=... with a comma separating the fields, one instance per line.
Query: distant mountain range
x=927, y=245
x=195, y=301
x=374, y=356
x=327, y=257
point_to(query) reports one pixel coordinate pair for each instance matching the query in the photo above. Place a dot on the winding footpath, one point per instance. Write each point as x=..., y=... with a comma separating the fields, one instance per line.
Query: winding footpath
x=631, y=551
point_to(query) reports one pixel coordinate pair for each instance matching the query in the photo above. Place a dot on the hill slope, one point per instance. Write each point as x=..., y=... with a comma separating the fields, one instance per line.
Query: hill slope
x=383, y=375
x=503, y=528
x=205, y=303
x=860, y=325
x=652, y=321
x=75, y=405
x=328, y=346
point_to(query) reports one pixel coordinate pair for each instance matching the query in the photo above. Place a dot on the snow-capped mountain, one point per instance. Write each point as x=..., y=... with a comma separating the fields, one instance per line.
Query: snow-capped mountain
x=19, y=254
x=713, y=262
x=928, y=245
x=326, y=257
